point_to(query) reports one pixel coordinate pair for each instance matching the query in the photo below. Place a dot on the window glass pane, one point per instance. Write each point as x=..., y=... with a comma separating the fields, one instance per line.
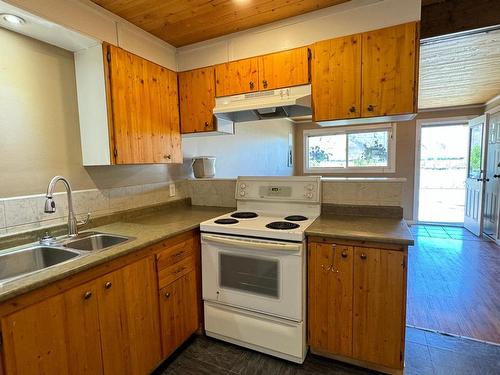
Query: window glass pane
x=368, y=149
x=249, y=274
x=327, y=151
x=475, y=151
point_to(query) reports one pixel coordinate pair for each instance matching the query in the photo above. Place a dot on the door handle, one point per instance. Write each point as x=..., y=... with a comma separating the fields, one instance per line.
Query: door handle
x=496, y=176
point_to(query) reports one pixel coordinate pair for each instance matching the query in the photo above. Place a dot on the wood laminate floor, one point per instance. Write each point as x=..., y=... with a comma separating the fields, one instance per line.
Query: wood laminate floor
x=427, y=353
x=454, y=283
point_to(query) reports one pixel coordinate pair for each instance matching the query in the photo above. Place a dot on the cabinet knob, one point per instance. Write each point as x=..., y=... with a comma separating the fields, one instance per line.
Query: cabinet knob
x=108, y=285
x=206, y=124
x=264, y=83
x=352, y=109
x=344, y=254
x=251, y=85
x=167, y=295
x=363, y=256
x=327, y=268
x=87, y=295
x=370, y=108
x=167, y=156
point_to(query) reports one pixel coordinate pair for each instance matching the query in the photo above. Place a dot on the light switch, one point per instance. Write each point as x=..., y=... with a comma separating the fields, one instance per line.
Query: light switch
x=172, y=190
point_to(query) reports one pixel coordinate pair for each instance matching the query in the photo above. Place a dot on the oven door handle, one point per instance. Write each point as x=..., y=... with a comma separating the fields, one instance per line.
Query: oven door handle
x=254, y=245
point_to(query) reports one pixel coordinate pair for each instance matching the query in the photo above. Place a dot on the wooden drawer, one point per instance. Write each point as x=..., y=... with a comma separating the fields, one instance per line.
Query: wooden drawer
x=174, y=254
x=171, y=273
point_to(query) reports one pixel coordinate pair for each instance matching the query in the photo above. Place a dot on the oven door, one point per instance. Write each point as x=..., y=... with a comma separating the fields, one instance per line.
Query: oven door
x=260, y=275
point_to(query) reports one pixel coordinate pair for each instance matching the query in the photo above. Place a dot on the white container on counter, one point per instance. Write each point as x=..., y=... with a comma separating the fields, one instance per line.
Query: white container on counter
x=204, y=166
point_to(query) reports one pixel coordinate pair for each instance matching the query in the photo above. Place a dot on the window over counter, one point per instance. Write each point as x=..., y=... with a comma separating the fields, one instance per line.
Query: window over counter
x=351, y=149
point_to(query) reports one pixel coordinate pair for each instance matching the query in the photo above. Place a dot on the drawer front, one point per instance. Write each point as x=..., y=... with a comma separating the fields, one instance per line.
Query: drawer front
x=174, y=254
x=171, y=273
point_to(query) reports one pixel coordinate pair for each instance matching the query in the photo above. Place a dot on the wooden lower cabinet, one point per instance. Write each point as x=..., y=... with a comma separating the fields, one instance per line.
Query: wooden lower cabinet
x=113, y=319
x=357, y=303
x=179, y=312
x=379, y=306
x=128, y=313
x=106, y=326
x=57, y=336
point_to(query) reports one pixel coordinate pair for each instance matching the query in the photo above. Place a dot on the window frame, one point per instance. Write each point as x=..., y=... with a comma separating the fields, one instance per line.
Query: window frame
x=391, y=152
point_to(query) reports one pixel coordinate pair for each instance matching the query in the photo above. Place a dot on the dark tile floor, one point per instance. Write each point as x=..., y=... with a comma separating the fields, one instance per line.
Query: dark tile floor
x=426, y=353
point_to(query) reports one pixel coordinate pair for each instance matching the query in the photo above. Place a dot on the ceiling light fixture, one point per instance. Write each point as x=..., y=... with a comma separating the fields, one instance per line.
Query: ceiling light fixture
x=12, y=19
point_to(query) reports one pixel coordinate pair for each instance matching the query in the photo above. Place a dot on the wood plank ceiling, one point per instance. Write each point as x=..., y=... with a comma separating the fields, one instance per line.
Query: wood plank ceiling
x=182, y=22
x=459, y=71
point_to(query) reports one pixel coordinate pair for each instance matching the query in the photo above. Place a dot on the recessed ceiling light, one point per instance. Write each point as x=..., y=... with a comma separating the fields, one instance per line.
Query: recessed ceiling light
x=12, y=19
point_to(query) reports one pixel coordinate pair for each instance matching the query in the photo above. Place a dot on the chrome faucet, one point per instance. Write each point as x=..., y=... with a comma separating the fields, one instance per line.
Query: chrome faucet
x=50, y=205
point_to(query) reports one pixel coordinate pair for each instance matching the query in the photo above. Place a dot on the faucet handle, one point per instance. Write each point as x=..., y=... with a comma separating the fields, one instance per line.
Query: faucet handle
x=85, y=221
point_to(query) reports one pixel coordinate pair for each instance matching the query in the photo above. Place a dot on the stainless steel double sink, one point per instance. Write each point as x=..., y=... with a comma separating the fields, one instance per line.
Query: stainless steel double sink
x=28, y=260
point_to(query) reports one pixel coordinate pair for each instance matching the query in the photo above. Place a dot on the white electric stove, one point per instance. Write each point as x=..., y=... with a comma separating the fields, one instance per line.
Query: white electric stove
x=254, y=265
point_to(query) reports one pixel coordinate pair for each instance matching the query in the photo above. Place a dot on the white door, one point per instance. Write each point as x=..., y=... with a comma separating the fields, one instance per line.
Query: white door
x=492, y=188
x=474, y=184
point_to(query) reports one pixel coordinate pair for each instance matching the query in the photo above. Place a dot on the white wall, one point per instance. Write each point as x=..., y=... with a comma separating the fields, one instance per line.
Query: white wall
x=258, y=148
x=91, y=20
x=349, y=18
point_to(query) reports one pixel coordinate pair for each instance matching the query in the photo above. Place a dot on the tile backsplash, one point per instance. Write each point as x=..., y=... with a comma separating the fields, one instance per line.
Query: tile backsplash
x=24, y=213
x=18, y=214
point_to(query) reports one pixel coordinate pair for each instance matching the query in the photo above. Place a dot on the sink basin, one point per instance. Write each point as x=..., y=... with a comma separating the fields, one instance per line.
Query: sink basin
x=23, y=262
x=95, y=241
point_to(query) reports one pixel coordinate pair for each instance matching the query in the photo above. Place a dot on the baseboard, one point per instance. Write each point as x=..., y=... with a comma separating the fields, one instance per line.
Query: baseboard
x=357, y=362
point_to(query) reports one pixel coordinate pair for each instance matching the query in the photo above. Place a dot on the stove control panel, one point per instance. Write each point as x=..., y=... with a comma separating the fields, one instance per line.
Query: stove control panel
x=292, y=189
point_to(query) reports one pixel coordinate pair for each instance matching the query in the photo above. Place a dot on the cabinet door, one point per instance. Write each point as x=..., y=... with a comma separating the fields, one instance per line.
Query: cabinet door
x=284, y=69
x=145, y=111
x=129, y=319
x=237, y=77
x=179, y=312
x=336, y=78
x=389, y=71
x=330, y=298
x=59, y=335
x=197, y=100
x=379, y=306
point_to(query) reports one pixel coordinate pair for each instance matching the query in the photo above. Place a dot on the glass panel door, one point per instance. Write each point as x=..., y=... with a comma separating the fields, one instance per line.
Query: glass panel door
x=255, y=275
x=475, y=151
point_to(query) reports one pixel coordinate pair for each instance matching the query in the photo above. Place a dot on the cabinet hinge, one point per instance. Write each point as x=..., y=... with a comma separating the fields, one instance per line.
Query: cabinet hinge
x=309, y=54
x=108, y=56
x=115, y=152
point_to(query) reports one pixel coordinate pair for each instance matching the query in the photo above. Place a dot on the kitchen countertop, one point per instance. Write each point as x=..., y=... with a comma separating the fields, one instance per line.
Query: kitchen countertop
x=362, y=228
x=148, y=230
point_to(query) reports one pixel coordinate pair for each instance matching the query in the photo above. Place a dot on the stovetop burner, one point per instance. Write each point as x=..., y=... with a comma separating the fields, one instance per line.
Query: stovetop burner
x=295, y=218
x=244, y=215
x=226, y=221
x=282, y=225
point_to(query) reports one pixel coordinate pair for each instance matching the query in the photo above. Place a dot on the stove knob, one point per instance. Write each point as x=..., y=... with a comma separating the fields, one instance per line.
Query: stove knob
x=310, y=187
x=243, y=186
x=309, y=195
x=242, y=193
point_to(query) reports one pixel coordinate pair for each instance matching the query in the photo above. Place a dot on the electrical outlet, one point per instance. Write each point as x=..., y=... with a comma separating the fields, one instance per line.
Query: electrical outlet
x=172, y=190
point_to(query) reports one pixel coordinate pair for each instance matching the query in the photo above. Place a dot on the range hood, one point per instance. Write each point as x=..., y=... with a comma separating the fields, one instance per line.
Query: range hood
x=264, y=105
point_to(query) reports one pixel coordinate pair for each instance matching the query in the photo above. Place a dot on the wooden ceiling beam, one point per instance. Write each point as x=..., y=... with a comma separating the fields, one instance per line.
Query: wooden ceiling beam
x=442, y=17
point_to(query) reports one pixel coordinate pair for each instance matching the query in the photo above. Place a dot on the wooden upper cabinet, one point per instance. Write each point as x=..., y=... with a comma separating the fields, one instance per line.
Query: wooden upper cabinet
x=336, y=78
x=284, y=69
x=59, y=335
x=143, y=100
x=379, y=306
x=129, y=317
x=197, y=100
x=390, y=71
x=237, y=77
x=330, y=297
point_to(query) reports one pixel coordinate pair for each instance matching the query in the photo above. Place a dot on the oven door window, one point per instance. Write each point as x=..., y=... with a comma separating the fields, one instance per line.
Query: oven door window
x=249, y=274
